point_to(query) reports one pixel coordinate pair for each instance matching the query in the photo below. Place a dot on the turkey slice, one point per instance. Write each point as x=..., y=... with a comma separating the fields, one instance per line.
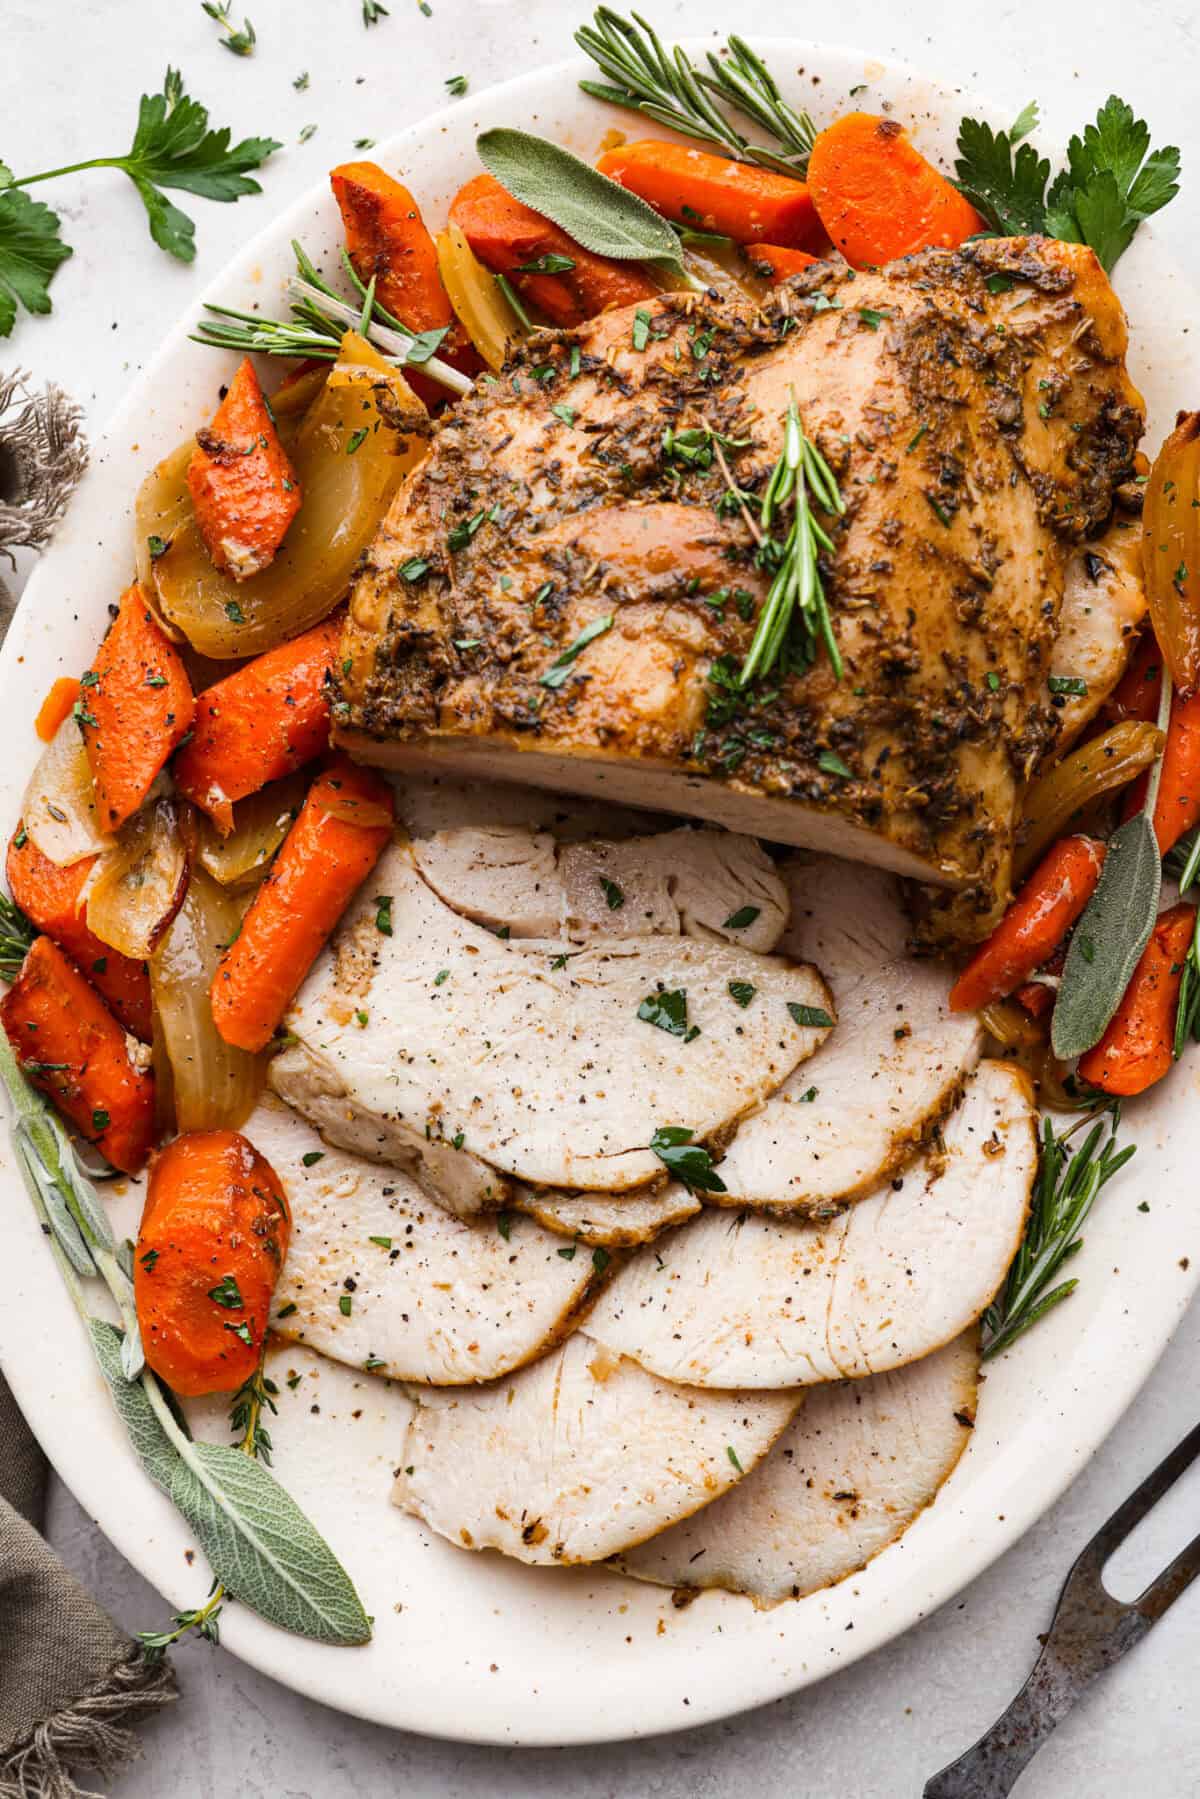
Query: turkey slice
x=610, y=1220
x=694, y=883
x=531, y=1058
x=748, y=1301
x=428, y=806
x=893, y=1067
x=852, y=1470
x=579, y=1456
x=379, y=1278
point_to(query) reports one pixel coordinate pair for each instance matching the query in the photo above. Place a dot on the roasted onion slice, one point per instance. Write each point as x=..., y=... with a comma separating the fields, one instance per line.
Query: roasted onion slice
x=363, y=431
x=215, y=1085
x=138, y=887
x=1171, y=551
x=260, y=823
x=59, y=807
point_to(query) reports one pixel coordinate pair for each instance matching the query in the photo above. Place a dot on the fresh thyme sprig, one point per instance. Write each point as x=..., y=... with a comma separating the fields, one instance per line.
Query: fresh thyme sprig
x=320, y=317
x=795, y=614
x=204, y=1620
x=1067, y=1186
x=1183, y=864
x=240, y=43
x=245, y=1414
x=666, y=85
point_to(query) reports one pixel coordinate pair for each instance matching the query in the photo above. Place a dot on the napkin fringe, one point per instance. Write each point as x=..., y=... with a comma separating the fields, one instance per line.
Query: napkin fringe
x=92, y=1733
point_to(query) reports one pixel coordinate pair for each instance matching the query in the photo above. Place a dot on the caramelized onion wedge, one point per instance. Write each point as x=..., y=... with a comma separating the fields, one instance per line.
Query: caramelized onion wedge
x=1111, y=760
x=260, y=824
x=216, y=1086
x=478, y=301
x=138, y=887
x=59, y=807
x=1171, y=551
x=364, y=430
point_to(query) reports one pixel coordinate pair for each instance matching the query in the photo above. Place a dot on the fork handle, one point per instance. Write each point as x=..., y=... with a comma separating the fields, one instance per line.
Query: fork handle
x=991, y=1767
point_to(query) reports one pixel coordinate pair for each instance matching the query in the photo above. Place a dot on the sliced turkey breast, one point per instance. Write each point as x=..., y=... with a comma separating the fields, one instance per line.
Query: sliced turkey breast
x=535, y=1060
x=436, y=803
x=856, y=1465
x=893, y=1067
x=749, y=1301
x=578, y=1457
x=617, y=1220
x=1104, y=603
x=694, y=883
x=379, y=1278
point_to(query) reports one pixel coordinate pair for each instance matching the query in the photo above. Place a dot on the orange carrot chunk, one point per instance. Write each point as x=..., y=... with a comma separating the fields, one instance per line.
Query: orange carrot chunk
x=1034, y=925
x=73, y=1050
x=1177, y=807
x=506, y=237
x=210, y=1249
x=1137, y=1048
x=329, y=851
x=387, y=240
x=259, y=724
x=136, y=705
x=711, y=193
x=57, y=705
x=52, y=898
x=878, y=198
x=775, y=262
x=244, y=489
x=1136, y=693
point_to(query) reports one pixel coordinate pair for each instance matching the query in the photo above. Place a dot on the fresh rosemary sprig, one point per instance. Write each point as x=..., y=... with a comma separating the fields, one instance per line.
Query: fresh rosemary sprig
x=320, y=317
x=794, y=620
x=667, y=86
x=16, y=937
x=1067, y=1185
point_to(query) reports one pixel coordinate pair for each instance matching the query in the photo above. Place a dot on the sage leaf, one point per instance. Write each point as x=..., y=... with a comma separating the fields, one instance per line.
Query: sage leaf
x=1115, y=928
x=258, y=1542
x=597, y=212
x=262, y=1547
x=151, y=1445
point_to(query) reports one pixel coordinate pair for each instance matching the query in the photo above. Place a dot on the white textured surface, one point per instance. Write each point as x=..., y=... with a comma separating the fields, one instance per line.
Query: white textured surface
x=70, y=74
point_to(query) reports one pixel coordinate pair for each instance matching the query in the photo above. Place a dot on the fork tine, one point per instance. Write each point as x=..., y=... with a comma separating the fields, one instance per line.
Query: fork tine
x=1166, y=1587
x=1142, y=1500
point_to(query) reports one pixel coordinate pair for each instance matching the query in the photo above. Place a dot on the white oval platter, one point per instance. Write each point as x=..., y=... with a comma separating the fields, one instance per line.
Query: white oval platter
x=472, y=1647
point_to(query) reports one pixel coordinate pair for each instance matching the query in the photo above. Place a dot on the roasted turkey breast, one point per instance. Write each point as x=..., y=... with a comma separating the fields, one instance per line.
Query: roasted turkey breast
x=975, y=408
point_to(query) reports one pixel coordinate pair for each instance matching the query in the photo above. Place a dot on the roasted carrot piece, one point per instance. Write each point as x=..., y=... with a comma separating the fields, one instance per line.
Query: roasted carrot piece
x=332, y=847
x=775, y=262
x=57, y=705
x=137, y=704
x=694, y=187
x=506, y=236
x=1177, y=807
x=212, y=1242
x=73, y=1050
x=1034, y=925
x=259, y=724
x=244, y=489
x=52, y=898
x=1137, y=1048
x=1137, y=692
x=1037, y=998
x=878, y=197
x=387, y=239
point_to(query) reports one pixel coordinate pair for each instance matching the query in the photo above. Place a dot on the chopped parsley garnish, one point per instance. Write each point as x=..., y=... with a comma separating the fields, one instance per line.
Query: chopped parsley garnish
x=557, y=673
x=565, y=413
x=227, y=1293
x=443, y=974
x=456, y=86
x=613, y=894
x=287, y=1310
x=739, y=920
x=504, y=1225
x=414, y=568
x=149, y=1259
x=357, y=440
x=732, y=1453
x=1072, y=684
x=243, y=1331
x=234, y=613
x=600, y=1258
x=871, y=318
x=742, y=992
x=993, y=680
x=383, y=1242
x=100, y=1120
x=689, y=1162
x=157, y=546
x=832, y=764
x=345, y=1304
x=462, y=533
x=810, y=1017
x=568, y=1254
x=311, y=1157
x=383, y=914
x=641, y=329
x=668, y=1010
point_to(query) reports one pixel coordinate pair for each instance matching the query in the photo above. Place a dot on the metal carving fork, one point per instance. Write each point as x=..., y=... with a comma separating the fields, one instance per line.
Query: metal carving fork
x=1091, y=1630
